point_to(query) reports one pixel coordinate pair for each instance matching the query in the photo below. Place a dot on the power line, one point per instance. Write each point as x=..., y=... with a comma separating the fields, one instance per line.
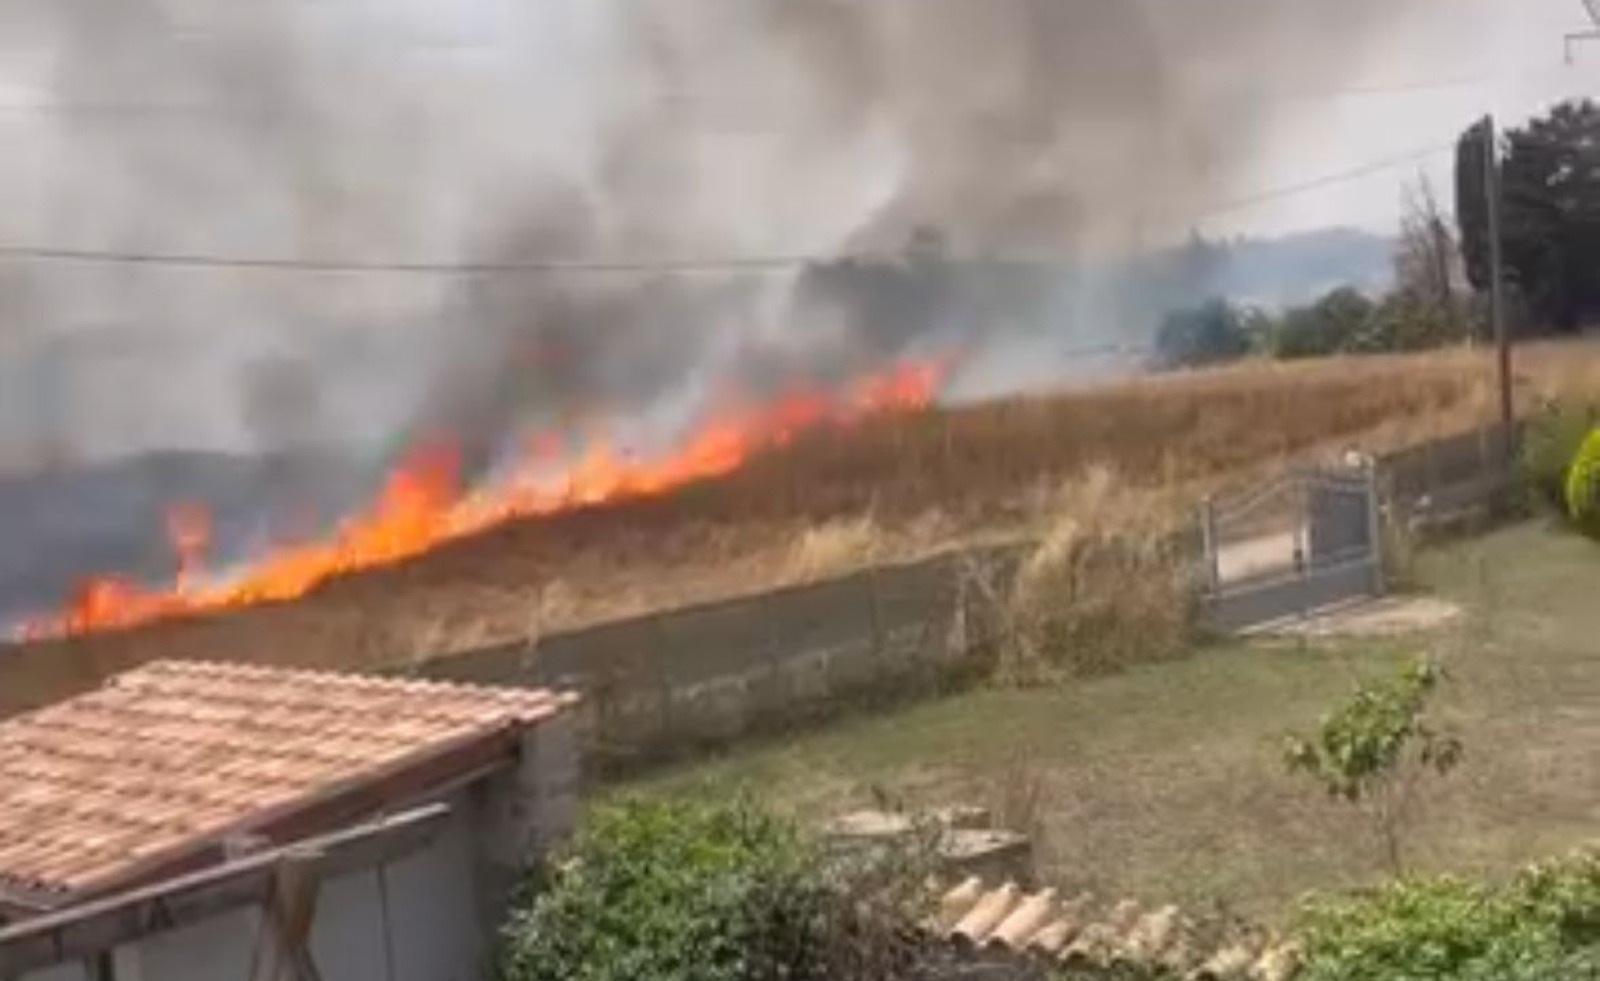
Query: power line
x=1327, y=180
x=664, y=266
x=224, y=111
x=197, y=260
x=1435, y=84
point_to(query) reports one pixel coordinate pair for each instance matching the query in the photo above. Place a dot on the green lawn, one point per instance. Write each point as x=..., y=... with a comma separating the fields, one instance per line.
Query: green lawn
x=1165, y=783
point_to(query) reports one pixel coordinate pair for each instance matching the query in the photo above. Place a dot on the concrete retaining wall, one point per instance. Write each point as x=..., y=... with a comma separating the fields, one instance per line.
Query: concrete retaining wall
x=661, y=685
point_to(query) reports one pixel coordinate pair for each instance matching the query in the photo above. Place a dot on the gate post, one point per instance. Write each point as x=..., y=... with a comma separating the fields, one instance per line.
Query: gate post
x=1375, y=526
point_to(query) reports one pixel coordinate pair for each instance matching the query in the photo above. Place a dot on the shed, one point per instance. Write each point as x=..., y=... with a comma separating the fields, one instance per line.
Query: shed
x=198, y=820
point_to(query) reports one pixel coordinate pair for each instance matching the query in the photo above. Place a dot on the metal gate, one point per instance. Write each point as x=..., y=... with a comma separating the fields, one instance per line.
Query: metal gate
x=1307, y=540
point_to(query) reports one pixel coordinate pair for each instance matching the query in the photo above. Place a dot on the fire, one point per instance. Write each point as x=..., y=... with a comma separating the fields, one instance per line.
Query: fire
x=422, y=503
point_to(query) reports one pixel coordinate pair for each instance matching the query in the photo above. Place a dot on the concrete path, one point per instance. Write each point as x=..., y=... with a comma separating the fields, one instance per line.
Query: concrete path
x=1388, y=616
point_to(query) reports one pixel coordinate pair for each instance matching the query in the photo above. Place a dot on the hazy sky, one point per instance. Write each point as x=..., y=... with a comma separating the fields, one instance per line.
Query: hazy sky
x=1500, y=56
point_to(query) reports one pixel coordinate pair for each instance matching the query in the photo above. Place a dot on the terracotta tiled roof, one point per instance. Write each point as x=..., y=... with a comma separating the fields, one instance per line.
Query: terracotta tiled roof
x=175, y=757
x=1046, y=926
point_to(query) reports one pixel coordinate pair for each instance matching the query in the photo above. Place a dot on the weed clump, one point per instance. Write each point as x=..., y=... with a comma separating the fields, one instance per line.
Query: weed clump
x=1110, y=585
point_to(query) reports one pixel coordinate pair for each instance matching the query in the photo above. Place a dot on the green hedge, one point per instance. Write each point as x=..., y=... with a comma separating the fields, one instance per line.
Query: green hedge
x=1543, y=926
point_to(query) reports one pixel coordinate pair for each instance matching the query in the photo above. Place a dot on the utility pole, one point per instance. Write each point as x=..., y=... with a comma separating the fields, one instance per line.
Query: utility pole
x=1497, y=286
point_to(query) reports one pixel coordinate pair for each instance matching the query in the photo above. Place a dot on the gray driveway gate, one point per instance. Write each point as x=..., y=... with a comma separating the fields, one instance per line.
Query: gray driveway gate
x=1304, y=541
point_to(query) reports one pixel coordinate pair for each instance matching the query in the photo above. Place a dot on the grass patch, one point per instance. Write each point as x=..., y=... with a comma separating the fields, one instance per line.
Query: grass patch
x=1165, y=782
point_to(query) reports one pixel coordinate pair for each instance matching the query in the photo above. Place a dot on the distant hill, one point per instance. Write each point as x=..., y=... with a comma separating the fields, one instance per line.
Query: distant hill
x=1298, y=268
x=1267, y=272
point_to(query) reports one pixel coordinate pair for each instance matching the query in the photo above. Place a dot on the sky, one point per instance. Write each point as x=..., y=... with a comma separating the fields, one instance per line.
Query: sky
x=1499, y=56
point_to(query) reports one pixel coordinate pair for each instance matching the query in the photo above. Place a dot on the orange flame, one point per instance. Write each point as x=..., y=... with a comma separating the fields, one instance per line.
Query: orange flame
x=422, y=504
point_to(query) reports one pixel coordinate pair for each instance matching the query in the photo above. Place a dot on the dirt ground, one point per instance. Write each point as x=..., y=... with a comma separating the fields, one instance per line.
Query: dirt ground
x=1166, y=782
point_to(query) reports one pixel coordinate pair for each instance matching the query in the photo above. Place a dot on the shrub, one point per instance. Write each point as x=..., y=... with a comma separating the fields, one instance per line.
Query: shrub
x=1370, y=750
x=1540, y=927
x=1212, y=333
x=1331, y=325
x=1109, y=586
x=1550, y=444
x=1583, y=486
x=692, y=891
x=1408, y=321
x=1421, y=931
x=1565, y=893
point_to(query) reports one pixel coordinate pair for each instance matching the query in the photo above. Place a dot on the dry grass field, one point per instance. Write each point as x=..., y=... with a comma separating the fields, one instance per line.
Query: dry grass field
x=887, y=488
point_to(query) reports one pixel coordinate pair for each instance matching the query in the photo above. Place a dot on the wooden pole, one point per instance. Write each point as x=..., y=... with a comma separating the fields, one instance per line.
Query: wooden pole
x=1374, y=524
x=287, y=920
x=1208, y=544
x=1497, y=292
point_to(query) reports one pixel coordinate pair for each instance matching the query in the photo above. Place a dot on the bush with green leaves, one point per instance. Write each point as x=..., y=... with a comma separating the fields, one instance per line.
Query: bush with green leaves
x=1565, y=893
x=1213, y=333
x=1583, y=486
x=1405, y=320
x=1331, y=325
x=1370, y=750
x=688, y=890
x=1539, y=927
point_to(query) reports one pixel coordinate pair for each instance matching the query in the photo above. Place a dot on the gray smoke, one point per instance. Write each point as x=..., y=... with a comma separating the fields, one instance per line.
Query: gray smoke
x=502, y=133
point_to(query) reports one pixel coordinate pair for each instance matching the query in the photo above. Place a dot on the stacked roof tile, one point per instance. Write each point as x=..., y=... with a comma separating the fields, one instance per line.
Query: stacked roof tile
x=1047, y=926
x=174, y=756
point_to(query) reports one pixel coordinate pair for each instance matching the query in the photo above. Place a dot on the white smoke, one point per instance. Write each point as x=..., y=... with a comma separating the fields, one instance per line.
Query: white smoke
x=491, y=130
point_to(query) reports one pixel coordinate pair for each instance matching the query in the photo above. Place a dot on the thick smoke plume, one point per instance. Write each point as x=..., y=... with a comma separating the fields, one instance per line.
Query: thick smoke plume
x=491, y=132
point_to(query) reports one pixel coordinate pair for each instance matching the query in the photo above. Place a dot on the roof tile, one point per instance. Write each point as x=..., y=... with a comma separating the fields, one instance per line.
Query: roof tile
x=178, y=753
x=1040, y=925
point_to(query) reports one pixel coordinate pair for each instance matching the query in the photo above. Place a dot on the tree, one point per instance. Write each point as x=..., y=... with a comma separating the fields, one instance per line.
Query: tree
x=1426, y=271
x=1424, y=309
x=1211, y=333
x=1332, y=325
x=1370, y=750
x=1472, y=205
x=1425, y=259
x=1550, y=212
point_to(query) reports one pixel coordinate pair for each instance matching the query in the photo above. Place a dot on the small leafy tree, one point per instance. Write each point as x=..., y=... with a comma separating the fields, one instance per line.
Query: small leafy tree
x=1370, y=751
